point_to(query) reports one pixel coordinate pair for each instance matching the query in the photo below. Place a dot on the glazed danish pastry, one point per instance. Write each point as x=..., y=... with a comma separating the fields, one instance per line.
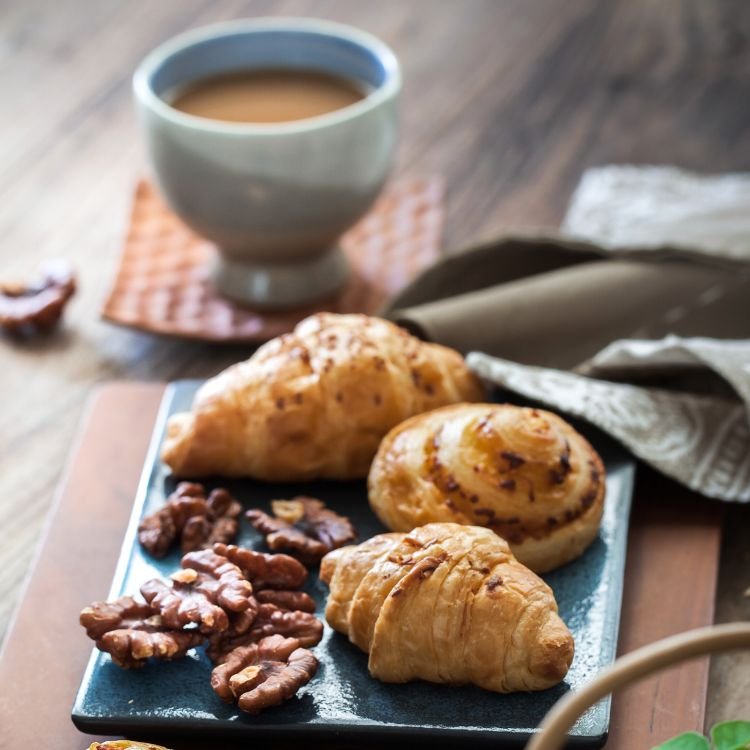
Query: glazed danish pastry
x=524, y=473
x=315, y=402
x=447, y=603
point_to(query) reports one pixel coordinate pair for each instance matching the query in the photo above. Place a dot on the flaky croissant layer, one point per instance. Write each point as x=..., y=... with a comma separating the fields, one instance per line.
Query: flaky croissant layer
x=316, y=402
x=525, y=473
x=450, y=604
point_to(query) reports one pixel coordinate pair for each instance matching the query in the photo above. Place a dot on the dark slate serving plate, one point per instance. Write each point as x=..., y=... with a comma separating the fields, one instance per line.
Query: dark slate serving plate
x=342, y=703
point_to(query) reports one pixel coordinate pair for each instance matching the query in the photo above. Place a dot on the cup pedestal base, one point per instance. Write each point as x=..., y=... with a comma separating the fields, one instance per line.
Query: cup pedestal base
x=279, y=286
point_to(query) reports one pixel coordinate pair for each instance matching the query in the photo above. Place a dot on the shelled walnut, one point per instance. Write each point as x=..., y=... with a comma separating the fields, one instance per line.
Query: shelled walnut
x=196, y=520
x=211, y=600
x=265, y=571
x=264, y=674
x=303, y=527
x=38, y=305
x=270, y=620
x=131, y=632
x=201, y=593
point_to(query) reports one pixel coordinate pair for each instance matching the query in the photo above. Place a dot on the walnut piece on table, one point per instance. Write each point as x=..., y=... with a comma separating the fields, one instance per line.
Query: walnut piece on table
x=201, y=593
x=265, y=571
x=270, y=620
x=196, y=520
x=38, y=305
x=264, y=674
x=303, y=527
x=131, y=632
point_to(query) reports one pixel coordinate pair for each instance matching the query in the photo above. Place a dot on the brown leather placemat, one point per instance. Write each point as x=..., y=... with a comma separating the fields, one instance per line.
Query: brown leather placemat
x=163, y=281
x=673, y=557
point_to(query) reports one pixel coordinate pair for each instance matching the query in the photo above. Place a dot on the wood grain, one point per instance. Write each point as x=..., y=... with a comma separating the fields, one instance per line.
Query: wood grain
x=510, y=100
x=93, y=509
x=670, y=543
x=676, y=533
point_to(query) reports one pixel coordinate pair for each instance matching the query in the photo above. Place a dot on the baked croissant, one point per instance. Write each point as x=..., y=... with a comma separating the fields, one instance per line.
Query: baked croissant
x=316, y=402
x=524, y=473
x=447, y=603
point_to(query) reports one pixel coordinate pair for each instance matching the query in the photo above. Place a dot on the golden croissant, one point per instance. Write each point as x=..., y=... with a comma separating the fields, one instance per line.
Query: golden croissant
x=316, y=402
x=524, y=473
x=447, y=603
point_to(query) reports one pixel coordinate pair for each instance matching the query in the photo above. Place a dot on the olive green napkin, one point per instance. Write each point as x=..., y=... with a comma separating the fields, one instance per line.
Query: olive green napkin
x=535, y=307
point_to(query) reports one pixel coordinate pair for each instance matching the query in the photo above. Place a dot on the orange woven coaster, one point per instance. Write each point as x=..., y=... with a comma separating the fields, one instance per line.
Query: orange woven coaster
x=163, y=283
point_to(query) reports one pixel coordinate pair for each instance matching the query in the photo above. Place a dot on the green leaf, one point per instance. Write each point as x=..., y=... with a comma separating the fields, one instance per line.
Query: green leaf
x=686, y=741
x=731, y=735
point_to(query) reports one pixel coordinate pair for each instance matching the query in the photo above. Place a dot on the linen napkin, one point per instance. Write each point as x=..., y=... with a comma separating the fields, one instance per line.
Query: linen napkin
x=566, y=319
x=653, y=207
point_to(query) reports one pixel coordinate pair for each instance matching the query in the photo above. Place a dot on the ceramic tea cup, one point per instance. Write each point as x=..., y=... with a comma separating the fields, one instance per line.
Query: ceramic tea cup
x=274, y=197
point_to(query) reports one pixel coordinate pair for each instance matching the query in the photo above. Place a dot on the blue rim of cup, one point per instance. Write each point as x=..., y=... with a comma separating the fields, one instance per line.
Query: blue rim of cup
x=144, y=74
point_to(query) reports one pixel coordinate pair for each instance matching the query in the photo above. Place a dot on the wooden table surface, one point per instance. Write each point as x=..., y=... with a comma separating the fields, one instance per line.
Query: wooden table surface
x=509, y=99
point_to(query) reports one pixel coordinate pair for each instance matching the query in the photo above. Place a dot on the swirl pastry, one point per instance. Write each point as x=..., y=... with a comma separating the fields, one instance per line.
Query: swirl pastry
x=524, y=473
x=316, y=402
x=447, y=603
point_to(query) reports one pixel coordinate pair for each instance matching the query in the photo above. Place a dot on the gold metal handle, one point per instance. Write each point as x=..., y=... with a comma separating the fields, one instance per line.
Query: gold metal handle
x=634, y=666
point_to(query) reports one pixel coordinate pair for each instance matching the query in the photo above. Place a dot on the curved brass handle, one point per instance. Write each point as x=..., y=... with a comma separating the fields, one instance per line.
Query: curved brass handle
x=634, y=666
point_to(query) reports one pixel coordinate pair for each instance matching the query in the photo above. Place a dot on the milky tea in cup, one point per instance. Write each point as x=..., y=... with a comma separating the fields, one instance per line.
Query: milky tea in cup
x=266, y=95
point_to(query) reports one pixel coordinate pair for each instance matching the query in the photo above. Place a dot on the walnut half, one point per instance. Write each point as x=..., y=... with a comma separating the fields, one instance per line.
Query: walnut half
x=265, y=571
x=38, y=305
x=303, y=527
x=203, y=592
x=192, y=518
x=270, y=620
x=131, y=632
x=264, y=674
